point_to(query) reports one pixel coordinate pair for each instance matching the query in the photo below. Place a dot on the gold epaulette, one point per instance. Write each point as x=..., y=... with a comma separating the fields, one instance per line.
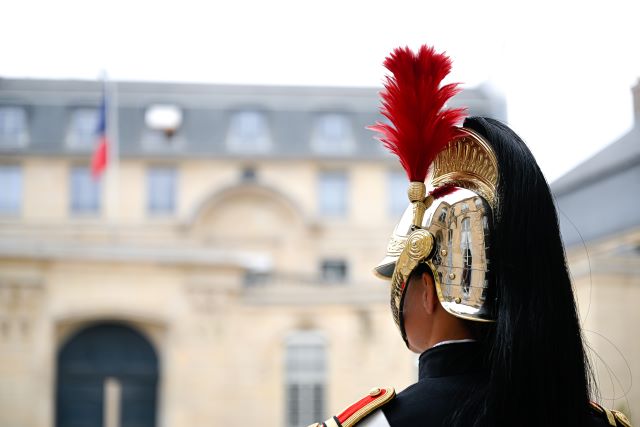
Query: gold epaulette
x=376, y=398
x=614, y=418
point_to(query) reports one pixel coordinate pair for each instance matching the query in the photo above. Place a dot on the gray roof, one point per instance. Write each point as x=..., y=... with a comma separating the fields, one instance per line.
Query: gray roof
x=620, y=155
x=600, y=196
x=207, y=109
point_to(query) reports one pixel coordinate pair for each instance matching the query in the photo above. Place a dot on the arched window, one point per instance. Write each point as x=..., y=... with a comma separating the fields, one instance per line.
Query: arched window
x=83, y=128
x=249, y=133
x=437, y=251
x=13, y=126
x=305, y=378
x=465, y=246
x=332, y=134
x=442, y=215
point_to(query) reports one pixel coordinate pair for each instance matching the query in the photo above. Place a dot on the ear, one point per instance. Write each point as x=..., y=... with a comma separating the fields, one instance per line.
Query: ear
x=430, y=300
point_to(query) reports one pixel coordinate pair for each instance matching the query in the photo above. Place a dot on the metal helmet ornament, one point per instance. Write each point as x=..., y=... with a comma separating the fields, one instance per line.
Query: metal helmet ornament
x=453, y=174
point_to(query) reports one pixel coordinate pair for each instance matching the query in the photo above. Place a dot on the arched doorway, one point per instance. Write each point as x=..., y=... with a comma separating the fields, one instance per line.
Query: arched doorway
x=107, y=375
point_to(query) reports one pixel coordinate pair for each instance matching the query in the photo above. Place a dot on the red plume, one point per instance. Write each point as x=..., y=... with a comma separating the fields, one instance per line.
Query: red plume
x=412, y=100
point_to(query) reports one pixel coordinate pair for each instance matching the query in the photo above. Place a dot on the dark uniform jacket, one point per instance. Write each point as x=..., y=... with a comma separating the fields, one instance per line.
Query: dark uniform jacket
x=447, y=374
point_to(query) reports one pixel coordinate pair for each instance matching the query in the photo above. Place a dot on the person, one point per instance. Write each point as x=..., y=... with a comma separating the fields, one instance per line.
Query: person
x=478, y=278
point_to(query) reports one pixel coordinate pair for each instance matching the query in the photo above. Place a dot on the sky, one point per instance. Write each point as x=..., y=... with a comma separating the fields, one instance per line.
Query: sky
x=565, y=68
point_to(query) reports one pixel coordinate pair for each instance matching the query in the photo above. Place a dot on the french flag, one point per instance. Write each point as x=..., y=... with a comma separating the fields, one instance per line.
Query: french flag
x=101, y=153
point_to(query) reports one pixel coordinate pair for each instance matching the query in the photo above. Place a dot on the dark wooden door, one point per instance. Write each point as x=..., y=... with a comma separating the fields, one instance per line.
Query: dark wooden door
x=106, y=351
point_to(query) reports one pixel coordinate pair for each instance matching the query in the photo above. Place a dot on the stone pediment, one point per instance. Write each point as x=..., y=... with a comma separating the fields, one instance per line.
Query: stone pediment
x=247, y=213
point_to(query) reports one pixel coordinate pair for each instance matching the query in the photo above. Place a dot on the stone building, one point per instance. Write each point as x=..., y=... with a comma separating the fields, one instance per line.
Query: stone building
x=599, y=213
x=219, y=273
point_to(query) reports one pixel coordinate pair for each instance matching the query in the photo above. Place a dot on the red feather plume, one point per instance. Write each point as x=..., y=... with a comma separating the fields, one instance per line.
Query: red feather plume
x=413, y=102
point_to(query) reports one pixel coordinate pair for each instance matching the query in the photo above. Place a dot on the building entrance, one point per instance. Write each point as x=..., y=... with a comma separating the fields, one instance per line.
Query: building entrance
x=107, y=376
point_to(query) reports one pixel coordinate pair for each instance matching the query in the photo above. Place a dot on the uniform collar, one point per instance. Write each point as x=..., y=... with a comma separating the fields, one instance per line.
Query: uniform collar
x=450, y=358
x=453, y=342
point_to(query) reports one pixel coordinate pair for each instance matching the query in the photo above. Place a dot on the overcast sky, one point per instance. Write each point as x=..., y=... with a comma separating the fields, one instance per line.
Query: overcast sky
x=565, y=67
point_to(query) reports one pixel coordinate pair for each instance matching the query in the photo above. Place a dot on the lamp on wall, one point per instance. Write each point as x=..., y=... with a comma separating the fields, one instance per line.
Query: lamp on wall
x=164, y=118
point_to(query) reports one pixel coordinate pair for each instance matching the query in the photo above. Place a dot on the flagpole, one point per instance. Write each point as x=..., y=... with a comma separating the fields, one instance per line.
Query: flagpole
x=114, y=152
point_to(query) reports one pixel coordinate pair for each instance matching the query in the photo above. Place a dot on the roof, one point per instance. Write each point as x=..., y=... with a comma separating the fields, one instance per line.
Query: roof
x=207, y=110
x=620, y=155
x=598, y=198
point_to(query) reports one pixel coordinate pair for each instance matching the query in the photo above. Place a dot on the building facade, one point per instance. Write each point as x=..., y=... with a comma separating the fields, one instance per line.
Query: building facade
x=218, y=273
x=599, y=214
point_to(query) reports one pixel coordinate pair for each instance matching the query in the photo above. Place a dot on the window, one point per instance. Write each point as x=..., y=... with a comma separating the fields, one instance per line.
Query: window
x=465, y=238
x=397, y=191
x=332, y=193
x=256, y=278
x=11, y=189
x=334, y=270
x=249, y=133
x=442, y=215
x=305, y=376
x=332, y=134
x=161, y=190
x=467, y=259
x=248, y=174
x=85, y=191
x=437, y=250
x=13, y=126
x=83, y=128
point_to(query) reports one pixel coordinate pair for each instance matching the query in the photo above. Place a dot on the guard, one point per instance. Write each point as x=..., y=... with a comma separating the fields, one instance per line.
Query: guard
x=476, y=272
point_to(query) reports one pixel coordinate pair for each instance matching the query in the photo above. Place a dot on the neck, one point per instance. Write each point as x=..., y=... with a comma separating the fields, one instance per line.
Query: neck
x=447, y=327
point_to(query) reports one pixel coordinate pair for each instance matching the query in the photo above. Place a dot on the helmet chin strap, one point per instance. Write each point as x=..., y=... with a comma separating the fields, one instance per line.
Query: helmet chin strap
x=403, y=331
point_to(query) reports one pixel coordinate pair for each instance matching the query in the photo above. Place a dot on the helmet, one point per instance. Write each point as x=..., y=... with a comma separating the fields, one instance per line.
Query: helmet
x=451, y=237
x=453, y=174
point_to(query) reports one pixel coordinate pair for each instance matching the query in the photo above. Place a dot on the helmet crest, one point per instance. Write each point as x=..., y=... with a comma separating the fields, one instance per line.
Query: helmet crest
x=413, y=101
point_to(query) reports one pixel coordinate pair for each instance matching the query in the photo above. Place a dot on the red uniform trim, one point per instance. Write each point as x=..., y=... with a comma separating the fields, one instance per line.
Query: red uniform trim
x=348, y=413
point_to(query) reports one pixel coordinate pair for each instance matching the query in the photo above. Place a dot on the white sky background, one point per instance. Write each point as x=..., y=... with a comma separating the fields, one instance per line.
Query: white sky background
x=565, y=67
